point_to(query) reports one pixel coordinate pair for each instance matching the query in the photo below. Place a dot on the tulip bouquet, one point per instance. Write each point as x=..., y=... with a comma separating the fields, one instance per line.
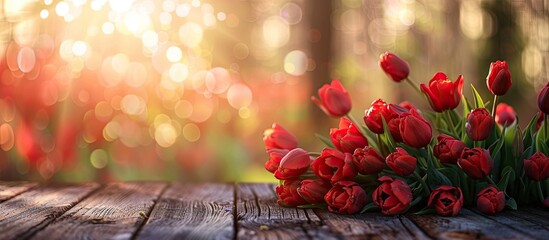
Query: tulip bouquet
x=402, y=159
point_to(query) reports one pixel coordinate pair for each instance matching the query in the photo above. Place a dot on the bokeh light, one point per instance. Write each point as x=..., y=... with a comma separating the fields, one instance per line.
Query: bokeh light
x=182, y=89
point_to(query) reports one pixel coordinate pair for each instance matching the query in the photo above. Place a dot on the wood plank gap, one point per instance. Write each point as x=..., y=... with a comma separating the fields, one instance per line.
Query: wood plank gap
x=148, y=213
x=40, y=228
x=416, y=226
x=501, y=217
x=15, y=191
x=111, y=213
x=235, y=210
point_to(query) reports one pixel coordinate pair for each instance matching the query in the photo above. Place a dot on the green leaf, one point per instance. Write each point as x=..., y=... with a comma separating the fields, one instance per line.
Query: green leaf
x=426, y=210
x=478, y=99
x=507, y=175
x=435, y=178
x=528, y=139
x=325, y=140
x=511, y=203
x=369, y=207
x=541, y=145
x=386, y=137
x=466, y=106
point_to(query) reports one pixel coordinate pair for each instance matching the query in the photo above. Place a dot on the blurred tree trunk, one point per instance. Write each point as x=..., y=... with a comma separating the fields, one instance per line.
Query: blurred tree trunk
x=319, y=14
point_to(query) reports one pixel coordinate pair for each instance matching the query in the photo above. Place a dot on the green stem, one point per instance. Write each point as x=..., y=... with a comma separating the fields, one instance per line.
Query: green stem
x=423, y=183
x=414, y=85
x=451, y=121
x=353, y=120
x=314, y=154
x=494, y=106
x=541, y=198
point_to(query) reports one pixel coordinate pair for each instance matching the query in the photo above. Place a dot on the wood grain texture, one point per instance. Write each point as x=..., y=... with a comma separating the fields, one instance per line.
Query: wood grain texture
x=12, y=189
x=192, y=211
x=22, y=216
x=469, y=225
x=260, y=217
x=110, y=213
x=372, y=226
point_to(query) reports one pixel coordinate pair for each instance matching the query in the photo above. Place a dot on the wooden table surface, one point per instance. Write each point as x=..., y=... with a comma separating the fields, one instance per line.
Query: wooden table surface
x=158, y=210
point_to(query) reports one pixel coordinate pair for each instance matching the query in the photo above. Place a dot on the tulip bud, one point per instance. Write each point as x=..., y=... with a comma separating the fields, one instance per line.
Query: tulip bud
x=415, y=130
x=278, y=137
x=543, y=99
x=287, y=194
x=313, y=191
x=490, y=200
x=393, y=196
x=476, y=162
x=394, y=67
x=275, y=156
x=442, y=93
x=505, y=115
x=537, y=167
x=333, y=165
x=345, y=197
x=447, y=200
x=499, y=78
x=402, y=163
x=347, y=138
x=368, y=161
x=293, y=164
x=334, y=99
x=448, y=149
x=479, y=124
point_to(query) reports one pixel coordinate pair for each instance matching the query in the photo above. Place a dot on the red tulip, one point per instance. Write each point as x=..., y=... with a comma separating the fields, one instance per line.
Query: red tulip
x=275, y=156
x=278, y=137
x=448, y=149
x=415, y=131
x=479, y=124
x=368, y=161
x=476, y=162
x=443, y=94
x=393, y=196
x=347, y=138
x=402, y=163
x=408, y=105
x=546, y=202
x=505, y=114
x=333, y=165
x=313, y=191
x=543, y=99
x=490, y=200
x=394, y=67
x=374, y=115
x=537, y=167
x=499, y=78
x=334, y=99
x=288, y=195
x=345, y=197
x=447, y=200
x=293, y=164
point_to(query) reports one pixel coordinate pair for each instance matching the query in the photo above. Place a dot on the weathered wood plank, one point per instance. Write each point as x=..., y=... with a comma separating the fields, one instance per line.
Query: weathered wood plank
x=260, y=217
x=371, y=226
x=12, y=189
x=470, y=225
x=192, y=211
x=22, y=216
x=521, y=221
x=110, y=213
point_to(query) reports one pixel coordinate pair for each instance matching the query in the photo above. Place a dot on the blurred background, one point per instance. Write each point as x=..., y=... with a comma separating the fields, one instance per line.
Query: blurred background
x=182, y=89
